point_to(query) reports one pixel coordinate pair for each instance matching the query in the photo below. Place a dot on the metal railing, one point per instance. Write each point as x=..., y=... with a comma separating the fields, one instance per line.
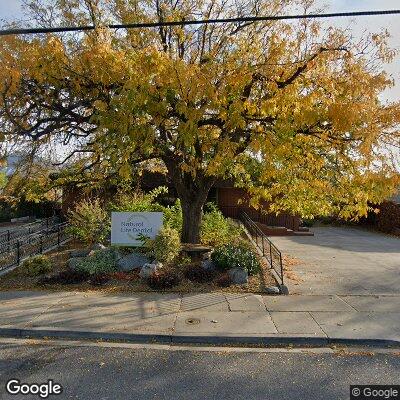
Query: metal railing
x=269, y=251
x=9, y=236
x=14, y=252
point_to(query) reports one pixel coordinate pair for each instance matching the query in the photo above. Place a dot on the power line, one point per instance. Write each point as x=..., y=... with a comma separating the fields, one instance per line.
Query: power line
x=197, y=22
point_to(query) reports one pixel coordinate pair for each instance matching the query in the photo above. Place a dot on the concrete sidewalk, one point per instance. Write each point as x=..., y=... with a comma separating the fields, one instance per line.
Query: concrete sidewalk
x=343, y=261
x=211, y=318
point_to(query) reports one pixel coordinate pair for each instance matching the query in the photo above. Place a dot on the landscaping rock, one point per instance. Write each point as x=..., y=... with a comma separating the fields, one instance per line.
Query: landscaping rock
x=149, y=269
x=132, y=261
x=98, y=246
x=284, y=290
x=79, y=253
x=208, y=265
x=74, y=261
x=238, y=276
x=272, y=290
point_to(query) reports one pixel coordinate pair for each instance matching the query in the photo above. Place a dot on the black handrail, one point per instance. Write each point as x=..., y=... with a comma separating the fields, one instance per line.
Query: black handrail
x=269, y=251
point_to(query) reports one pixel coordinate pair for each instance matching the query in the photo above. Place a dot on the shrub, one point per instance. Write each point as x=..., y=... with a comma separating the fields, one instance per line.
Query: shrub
x=165, y=246
x=183, y=260
x=163, y=280
x=101, y=262
x=223, y=280
x=139, y=201
x=216, y=230
x=37, y=265
x=236, y=256
x=196, y=273
x=89, y=221
x=67, y=277
x=173, y=216
x=308, y=223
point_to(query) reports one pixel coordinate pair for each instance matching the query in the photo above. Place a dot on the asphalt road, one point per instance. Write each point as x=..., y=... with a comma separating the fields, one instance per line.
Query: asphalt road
x=124, y=373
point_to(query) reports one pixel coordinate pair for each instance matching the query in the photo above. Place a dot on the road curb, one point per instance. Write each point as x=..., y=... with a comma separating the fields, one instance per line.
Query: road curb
x=179, y=339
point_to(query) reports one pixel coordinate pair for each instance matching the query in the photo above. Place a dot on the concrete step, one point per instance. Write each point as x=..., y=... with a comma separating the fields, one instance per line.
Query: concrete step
x=274, y=230
x=282, y=231
x=301, y=233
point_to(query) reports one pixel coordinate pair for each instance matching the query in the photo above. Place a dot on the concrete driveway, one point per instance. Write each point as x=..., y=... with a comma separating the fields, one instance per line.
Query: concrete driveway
x=341, y=260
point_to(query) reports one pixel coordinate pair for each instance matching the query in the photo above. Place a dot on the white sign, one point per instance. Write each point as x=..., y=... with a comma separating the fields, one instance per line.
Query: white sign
x=127, y=227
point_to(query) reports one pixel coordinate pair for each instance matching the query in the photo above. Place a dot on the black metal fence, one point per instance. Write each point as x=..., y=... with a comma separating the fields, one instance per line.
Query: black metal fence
x=9, y=236
x=13, y=252
x=269, y=251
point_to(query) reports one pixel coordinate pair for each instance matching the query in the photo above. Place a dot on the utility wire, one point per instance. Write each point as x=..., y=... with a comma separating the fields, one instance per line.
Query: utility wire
x=197, y=22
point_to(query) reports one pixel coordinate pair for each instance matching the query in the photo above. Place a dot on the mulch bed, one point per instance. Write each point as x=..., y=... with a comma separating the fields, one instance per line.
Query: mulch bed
x=128, y=282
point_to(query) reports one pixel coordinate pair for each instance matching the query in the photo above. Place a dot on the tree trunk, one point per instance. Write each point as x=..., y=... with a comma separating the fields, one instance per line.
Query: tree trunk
x=192, y=211
x=192, y=193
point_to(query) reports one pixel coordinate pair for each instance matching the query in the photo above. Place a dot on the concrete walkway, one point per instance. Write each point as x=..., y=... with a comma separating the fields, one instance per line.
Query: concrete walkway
x=343, y=261
x=208, y=318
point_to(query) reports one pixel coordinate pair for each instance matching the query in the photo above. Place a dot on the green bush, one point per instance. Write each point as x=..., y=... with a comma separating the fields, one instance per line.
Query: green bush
x=183, y=260
x=216, y=230
x=37, y=265
x=140, y=202
x=165, y=246
x=173, y=216
x=89, y=221
x=308, y=223
x=236, y=256
x=100, y=262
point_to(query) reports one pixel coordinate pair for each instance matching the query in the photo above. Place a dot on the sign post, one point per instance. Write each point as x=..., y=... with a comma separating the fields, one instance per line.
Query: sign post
x=127, y=227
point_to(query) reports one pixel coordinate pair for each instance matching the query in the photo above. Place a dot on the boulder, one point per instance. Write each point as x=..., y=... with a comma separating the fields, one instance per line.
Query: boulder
x=238, y=276
x=79, y=253
x=149, y=269
x=132, y=261
x=283, y=289
x=74, y=261
x=208, y=265
x=272, y=290
x=98, y=246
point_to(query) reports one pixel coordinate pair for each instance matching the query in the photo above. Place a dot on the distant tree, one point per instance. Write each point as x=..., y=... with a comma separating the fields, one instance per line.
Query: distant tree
x=291, y=111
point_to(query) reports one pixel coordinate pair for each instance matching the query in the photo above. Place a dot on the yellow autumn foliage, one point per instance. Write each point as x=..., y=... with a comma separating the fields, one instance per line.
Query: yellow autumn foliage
x=291, y=111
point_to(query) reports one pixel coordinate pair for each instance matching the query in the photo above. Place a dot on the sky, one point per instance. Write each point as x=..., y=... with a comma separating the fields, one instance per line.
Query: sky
x=11, y=9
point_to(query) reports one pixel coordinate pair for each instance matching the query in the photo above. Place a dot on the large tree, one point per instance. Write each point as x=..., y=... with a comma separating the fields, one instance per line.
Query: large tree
x=291, y=111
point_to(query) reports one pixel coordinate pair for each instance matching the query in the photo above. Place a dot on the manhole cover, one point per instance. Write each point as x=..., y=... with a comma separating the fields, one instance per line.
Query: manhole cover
x=192, y=321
